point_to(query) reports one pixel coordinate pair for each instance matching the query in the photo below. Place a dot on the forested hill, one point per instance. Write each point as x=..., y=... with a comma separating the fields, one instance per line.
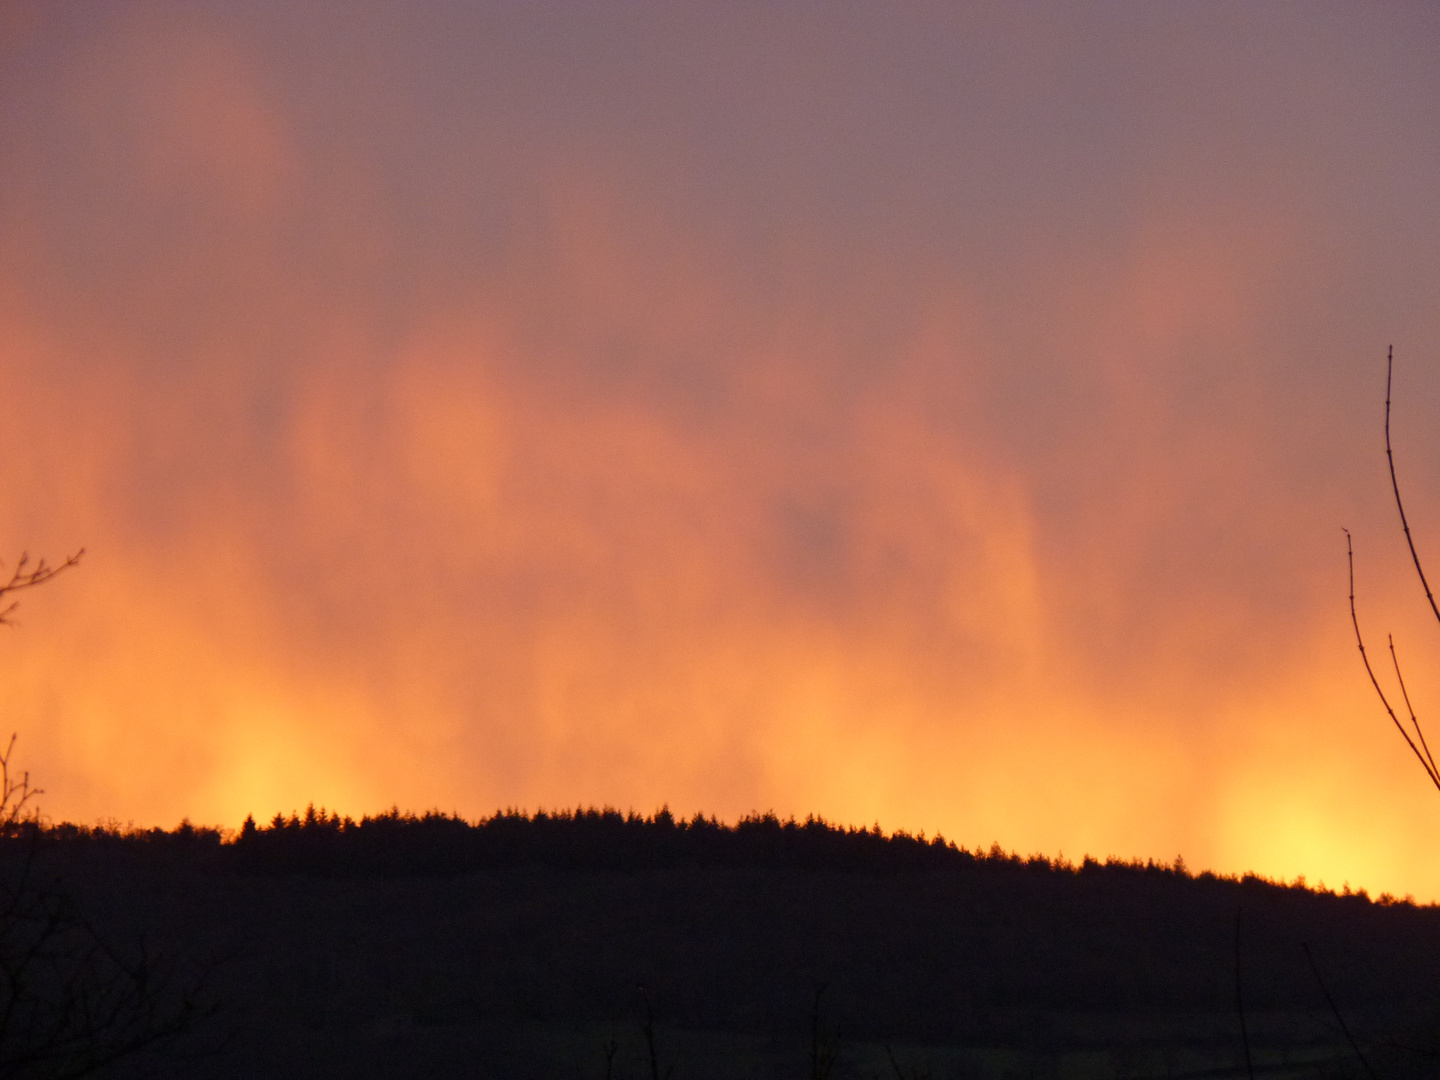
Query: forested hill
x=519, y=941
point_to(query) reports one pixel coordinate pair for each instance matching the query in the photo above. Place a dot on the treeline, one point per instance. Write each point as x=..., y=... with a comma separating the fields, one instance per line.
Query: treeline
x=401, y=844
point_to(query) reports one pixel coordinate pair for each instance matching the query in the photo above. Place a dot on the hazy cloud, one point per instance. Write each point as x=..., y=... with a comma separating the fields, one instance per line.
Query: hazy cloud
x=939, y=418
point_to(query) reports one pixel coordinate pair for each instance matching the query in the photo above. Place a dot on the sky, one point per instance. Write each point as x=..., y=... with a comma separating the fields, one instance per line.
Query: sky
x=940, y=416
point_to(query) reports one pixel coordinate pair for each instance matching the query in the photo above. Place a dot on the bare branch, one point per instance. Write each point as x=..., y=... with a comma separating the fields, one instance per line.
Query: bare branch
x=1240, y=1003
x=1414, y=720
x=26, y=576
x=1395, y=486
x=1344, y=1027
x=1425, y=763
x=16, y=795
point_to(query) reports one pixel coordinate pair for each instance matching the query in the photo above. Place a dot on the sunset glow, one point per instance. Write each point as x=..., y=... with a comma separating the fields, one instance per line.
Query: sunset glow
x=945, y=421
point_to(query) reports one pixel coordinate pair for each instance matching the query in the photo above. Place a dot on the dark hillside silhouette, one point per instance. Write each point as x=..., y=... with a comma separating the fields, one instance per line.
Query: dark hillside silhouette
x=405, y=945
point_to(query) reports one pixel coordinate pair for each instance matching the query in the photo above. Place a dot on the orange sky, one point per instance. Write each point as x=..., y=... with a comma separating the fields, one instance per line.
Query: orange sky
x=945, y=421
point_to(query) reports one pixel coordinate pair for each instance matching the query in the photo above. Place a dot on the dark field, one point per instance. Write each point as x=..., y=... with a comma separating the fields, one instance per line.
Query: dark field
x=405, y=947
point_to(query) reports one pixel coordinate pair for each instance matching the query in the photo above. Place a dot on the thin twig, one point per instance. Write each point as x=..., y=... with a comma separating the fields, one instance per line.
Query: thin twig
x=15, y=795
x=822, y=1047
x=894, y=1065
x=1395, y=486
x=1430, y=770
x=1240, y=1002
x=1338, y=1018
x=655, y=1073
x=610, y=1046
x=27, y=577
x=1404, y=693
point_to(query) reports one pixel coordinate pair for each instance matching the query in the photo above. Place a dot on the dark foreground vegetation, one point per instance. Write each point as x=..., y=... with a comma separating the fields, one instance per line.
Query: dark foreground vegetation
x=594, y=944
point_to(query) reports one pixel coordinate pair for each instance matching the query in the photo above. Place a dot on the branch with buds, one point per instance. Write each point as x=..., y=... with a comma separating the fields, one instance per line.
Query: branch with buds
x=26, y=576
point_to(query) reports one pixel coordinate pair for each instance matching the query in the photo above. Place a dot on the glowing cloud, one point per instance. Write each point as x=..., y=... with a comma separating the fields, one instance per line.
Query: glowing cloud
x=942, y=424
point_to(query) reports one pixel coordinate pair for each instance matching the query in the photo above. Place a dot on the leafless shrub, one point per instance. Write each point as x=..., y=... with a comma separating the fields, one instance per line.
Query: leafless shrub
x=17, y=797
x=73, y=1000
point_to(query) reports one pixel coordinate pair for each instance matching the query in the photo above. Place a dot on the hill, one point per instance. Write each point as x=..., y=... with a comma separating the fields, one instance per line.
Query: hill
x=518, y=946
